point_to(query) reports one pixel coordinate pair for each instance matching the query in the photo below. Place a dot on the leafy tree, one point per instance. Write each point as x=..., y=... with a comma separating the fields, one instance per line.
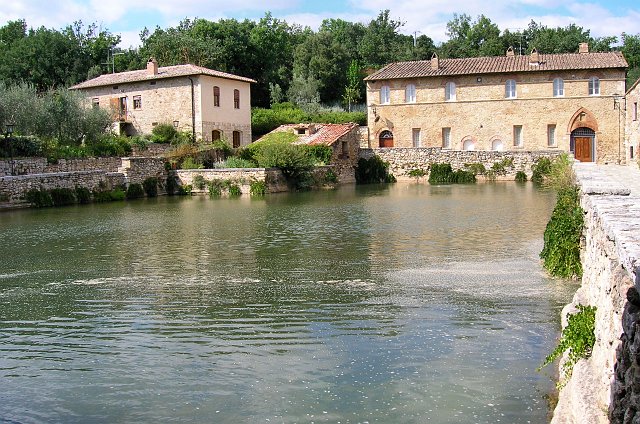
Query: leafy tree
x=354, y=83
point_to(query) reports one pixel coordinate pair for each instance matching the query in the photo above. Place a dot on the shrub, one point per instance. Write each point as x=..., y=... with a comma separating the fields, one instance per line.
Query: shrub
x=441, y=173
x=294, y=161
x=100, y=196
x=83, y=195
x=373, y=170
x=199, y=182
x=257, y=188
x=417, y=173
x=500, y=168
x=234, y=190
x=215, y=188
x=117, y=194
x=151, y=186
x=184, y=190
x=63, y=196
x=40, y=198
x=463, y=177
x=110, y=145
x=330, y=177
x=577, y=338
x=475, y=168
x=164, y=133
x=521, y=177
x=135, y=191
x=321, y=153
x=139, y=142
x=541, y=169
x=21, y=147
x=191, y=163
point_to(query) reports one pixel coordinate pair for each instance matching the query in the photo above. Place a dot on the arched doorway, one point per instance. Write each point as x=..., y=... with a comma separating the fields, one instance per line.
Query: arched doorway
x=583, y=144
x=386, y=139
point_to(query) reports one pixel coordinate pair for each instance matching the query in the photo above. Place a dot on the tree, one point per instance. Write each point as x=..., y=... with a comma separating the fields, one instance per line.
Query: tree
x=354, y=81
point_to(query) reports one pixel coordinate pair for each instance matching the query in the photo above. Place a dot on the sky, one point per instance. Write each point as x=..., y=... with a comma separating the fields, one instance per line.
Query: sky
x=128, y=17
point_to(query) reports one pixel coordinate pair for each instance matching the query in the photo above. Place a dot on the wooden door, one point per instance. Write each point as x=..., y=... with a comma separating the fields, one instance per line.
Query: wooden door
x=583, y=149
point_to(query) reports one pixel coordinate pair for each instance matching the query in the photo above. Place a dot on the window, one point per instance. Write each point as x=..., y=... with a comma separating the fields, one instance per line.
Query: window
x=216, y=135
x=137, y=102
x=594, y=86
x=152, y=83
x=216, y=96
x=517, y=135
x=415, y=136
x=236, y=99
x=345, y=150
x=497, y=145
x=510, y=89
x=551, y=135
x=634, y=111
x=450, y=91
x=95, y=102
x=236, y=139
x=410, y=94
x=631, y=152
x=446, y=138
x=385, y=95
x=558, y=87
x=468, y=145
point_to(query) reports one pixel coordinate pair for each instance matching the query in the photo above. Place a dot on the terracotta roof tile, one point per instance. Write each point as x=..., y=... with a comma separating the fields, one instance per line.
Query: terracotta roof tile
x=324, y=133
x=163, y=72
x=500, y=64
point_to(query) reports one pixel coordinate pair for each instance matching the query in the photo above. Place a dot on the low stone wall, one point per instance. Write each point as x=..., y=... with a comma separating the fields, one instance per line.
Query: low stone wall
x=152, y=150
x=606, y=387
x=242, y=176
x=403, y=160
x=28, y=166
x=138, y=169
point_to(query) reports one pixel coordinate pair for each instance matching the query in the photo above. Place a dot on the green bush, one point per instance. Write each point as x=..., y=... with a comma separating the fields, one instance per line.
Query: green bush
x=330, y=177
x=257, y=188
x=373, y=170
x=321, y=153
x=500, y=168
x=21, y=147
x=442, y=173
x=234, y=190
x=463, y=177
x=541, y=169
x=110, y=145
x=475, y=168
x=63, y=196
x=83, y=195
x=215, y=188
x=40, y=198
x=164, y=133
x=417, y=173
x=117, y=194
x=135, y=191
x=199, y=182
x=151, y=186
x=521, y=177
x=577, y=338
x=294, y=161
x=191, y=163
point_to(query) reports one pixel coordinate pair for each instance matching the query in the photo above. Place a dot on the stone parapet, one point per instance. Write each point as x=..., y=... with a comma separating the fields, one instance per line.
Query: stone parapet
x=242, y=176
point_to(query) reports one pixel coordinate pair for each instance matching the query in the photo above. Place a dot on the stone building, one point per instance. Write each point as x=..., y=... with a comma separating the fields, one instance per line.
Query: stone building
x=210, y=104
x=566, y=102
x=632, y=124
x=344, y=139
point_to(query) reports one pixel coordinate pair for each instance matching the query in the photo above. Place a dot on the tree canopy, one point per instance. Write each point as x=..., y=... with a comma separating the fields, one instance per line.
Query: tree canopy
x=283, y=58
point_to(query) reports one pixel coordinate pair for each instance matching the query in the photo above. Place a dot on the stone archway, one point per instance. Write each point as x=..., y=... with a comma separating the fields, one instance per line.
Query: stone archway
x=385, y=139
x=583, y=118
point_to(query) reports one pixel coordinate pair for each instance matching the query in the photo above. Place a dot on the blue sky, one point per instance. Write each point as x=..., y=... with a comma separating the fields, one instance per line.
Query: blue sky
x=129, y=17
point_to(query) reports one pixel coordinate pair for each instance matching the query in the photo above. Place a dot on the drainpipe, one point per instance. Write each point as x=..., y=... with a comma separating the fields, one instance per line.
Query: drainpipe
x=193, y=112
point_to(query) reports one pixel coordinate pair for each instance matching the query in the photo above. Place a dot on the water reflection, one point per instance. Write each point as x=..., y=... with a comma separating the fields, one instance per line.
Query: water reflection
x=406, y=303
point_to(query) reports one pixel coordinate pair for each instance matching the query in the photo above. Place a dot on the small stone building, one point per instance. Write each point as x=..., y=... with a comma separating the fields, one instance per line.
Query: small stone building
x=210, y=104
x=344, y=139
x=566, y=102
x=632, y=123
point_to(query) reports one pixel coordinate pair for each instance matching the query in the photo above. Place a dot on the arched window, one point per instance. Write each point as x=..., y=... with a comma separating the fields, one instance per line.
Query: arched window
x=216, y=96
x=594, y=86
x=468, y=145
x=237, y=139
x=386, y=139
x=558, y=87
x=497, y=145
x=216, y=135
x=510, y=89
x=385, y=95
x=236, y=99
x=410, y=94
x=450, y=91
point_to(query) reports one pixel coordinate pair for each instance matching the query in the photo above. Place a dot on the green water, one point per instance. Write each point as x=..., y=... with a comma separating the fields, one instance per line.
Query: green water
x=399, y=304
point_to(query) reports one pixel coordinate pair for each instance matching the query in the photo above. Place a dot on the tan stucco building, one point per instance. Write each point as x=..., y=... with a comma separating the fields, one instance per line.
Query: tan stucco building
x=513, y=102
x=632, y=122
x=208, y=103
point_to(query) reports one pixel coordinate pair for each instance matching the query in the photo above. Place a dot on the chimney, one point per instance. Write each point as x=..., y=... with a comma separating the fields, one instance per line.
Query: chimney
x=510, y=52
x=534, y=57
x=584, y=48
x=152, y=67
x=435, y=64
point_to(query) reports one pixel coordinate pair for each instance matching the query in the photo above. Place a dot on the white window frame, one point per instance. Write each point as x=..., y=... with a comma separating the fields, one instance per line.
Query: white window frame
x=385, y=95
x=416, y=137
x=446, y=137
x=510, y=89
x=594, y=86
x=450, y=91
x=551, y=135
x=517, y=136
x=558, y=87
x=410, y=93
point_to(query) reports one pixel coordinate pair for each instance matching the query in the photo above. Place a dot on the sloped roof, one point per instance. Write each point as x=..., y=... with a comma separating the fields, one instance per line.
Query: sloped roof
x=500, y=64
x=326, y=134
x=163, y=72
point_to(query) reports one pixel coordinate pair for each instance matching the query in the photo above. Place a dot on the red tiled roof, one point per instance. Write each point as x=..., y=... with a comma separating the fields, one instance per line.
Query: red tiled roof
x=500, y=64
x=324, y=133
x=163, y=72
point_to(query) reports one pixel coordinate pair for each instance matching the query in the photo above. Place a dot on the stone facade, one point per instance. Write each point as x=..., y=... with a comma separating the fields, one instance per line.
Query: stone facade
x=273, y=177
x=480, y=117
x=181, y=95
x=41, y=166
x=402, y=160
x=605, y=387
x=629, y=110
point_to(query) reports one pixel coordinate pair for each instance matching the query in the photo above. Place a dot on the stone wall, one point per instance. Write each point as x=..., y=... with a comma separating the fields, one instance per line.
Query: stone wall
x=242, y=176
x=605, y=387
x=402, y=160
x=136, y=170
x=152, y=150
x=40, y=166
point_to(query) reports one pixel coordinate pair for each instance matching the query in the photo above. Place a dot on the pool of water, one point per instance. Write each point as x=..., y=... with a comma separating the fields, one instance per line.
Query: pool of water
x=407, y=303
